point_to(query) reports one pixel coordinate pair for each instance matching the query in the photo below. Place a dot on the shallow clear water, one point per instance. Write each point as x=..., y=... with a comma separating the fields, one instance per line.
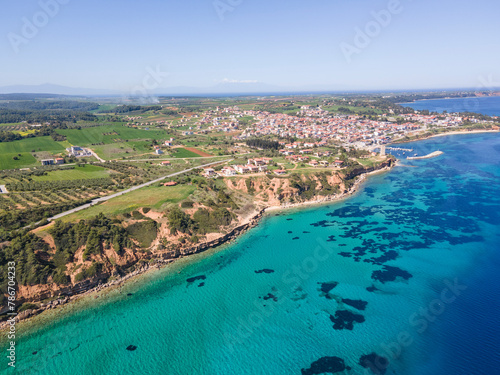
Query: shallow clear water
x=404, y=249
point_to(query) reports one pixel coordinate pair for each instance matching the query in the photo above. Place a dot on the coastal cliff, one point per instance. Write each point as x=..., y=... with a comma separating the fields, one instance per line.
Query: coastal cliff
x=261, y=193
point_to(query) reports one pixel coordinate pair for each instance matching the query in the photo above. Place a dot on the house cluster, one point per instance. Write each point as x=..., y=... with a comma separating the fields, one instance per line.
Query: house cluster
x=78, y=151
x=56, y=161
x=253, y=166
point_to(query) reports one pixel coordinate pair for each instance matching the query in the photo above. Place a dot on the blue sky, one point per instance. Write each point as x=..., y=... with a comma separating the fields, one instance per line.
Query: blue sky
x=110, y=44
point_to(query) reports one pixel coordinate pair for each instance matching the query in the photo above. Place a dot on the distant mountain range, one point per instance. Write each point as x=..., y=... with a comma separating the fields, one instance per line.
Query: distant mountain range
x=48, y=88
x=221, y=88
x=226, y=87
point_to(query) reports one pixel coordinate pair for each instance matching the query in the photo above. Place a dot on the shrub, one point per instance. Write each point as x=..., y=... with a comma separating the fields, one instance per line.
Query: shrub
x=137, y=215
x=187, y=204
x=27, y=306
x=179, y=221
x=144, y=232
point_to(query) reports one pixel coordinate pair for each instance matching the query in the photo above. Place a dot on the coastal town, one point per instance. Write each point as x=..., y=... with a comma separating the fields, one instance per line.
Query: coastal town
x=312, y=122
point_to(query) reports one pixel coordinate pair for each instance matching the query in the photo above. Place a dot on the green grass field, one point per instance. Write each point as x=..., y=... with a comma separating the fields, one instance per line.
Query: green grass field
x=152, y=196
x=29, y=144
x=79, y=173
x=25, y=160
x=118, y=150
x=88, y=136
x=183, y=153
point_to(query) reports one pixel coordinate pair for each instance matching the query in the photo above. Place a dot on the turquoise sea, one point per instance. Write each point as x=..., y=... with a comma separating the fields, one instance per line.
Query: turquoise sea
x=489, y=105
x=402, y=278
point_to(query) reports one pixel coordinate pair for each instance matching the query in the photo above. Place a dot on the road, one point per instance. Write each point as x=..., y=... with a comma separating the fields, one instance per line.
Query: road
x=108, y=197
x=96, y=156
x=169, y=159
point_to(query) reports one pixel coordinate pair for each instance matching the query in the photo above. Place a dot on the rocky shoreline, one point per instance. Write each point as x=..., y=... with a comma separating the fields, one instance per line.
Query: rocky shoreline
x=97, y=284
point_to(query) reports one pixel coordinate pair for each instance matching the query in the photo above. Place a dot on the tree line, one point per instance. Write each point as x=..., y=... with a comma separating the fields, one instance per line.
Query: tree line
x=263, y=143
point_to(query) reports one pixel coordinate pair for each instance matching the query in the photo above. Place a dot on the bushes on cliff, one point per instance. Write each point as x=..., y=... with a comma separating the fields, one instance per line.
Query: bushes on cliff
x=306, y=189
x=179, y=221
x=144, y=232
x=92, y=233
x=223, y=199
x=187, y=204
x=87, y=273
x=28, y=251
x=209, y=221
x=221, y=216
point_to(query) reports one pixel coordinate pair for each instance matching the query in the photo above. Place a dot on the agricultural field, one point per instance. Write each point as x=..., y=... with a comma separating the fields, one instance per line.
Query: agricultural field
x=84, y=172
x=122, y=149
x=17, y=154
x=25, y=160
x=31, y=145
x=108, y=134
x=156, y=197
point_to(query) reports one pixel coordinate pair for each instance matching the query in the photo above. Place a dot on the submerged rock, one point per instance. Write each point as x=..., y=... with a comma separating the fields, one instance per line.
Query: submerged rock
x=131, y=348
x=193, y=279
x=328, y=365
x=345, y=319
x=356, y=303
x=270, y=296
x=328, y=286
x=377, y=364
x=265, y=270
x=390, y=273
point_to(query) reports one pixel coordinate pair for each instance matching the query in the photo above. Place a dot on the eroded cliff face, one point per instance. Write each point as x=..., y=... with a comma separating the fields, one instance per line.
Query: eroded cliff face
x=360, y=170
x=114, y=266
x=271, y=191
x=263, y=191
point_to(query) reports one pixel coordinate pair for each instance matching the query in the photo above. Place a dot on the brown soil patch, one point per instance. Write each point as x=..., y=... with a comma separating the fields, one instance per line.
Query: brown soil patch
x=198, y=152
